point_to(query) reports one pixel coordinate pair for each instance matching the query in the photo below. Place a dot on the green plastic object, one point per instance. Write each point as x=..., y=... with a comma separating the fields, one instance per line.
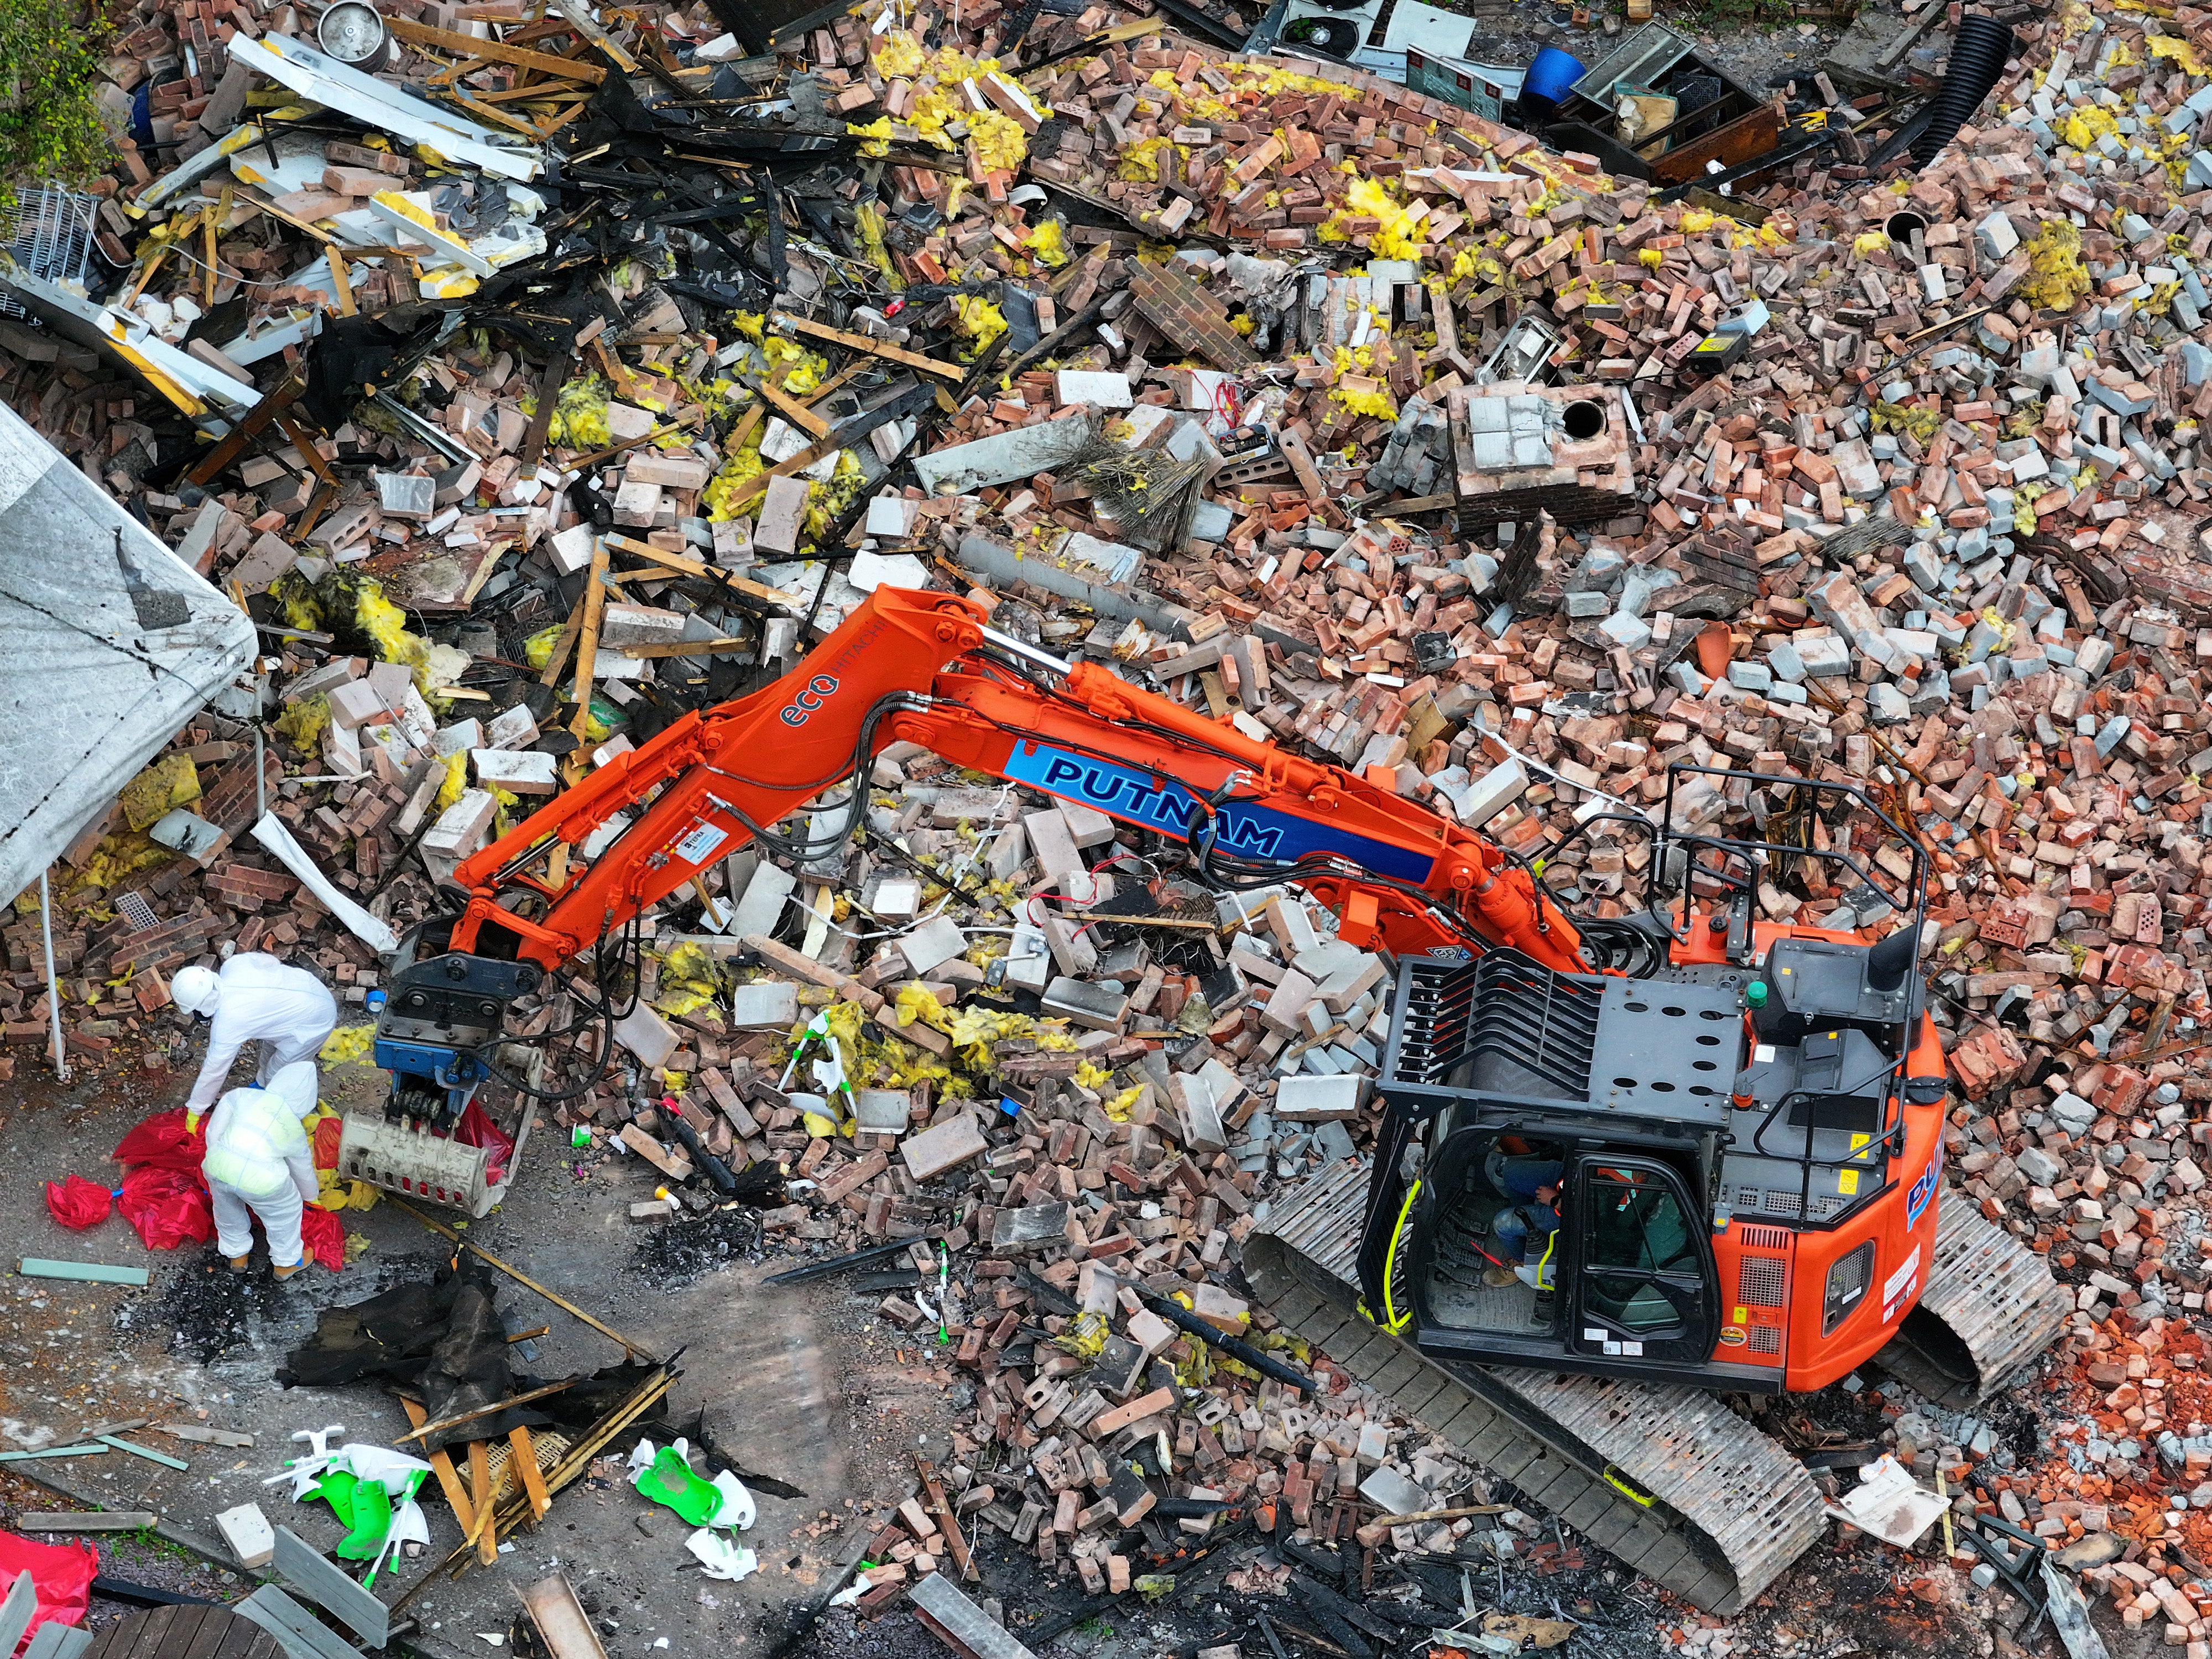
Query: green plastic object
x=370, y=1518
x=669, y=1480
x=1755, y=993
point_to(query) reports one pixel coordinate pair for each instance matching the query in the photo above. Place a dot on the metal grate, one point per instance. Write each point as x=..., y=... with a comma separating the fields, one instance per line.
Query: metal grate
x=136, y=911
x=1847, y=1279
x=1765, y=1239
x=1506, y=1009
x=49, y=234
x=1766, y=1339
x=1760, y=1281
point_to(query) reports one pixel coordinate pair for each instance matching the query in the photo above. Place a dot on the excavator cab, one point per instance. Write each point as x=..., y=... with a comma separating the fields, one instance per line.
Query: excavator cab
x=1750, y=1070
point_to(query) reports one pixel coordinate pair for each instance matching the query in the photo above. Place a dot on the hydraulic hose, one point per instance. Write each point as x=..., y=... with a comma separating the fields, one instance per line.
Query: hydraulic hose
x=1978, y=58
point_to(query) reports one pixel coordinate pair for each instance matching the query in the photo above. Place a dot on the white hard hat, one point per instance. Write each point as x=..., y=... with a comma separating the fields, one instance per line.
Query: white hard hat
x=195, y=990
x=296, y=1085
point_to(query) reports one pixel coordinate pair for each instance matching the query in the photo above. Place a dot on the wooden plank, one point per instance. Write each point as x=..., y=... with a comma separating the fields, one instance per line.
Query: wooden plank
x=298, y=1633
x=114, y=1521
x=690, y=567
x=183, y=1632
x=58, y=1641
x=341, y=284
x=449, y=1478
x=947, y=1523
x=486, y=1527
x=556, y=375
x=244, y=1639
x=215, y=1624
x=17, y=1610
x=757, y=483
x=153, y=1632
x=522, y=1457
x=882, y=349
x=685, y=648
x=588, y=645
x=422, y=1429
x=305, y=1568
x=579, y=19
x=794, y=411
x=81, y=1272
x=468, y=46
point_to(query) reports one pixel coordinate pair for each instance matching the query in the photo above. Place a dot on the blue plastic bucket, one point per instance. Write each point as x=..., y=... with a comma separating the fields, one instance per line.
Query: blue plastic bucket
x=1553, y=75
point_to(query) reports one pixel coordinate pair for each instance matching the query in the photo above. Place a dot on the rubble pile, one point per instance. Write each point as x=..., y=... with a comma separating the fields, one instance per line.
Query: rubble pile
x=591, y=390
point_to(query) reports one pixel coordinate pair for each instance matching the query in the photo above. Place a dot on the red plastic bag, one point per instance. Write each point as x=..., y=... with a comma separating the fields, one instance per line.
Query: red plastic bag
x=169, y=1207
x=322, y=1236
x=78, y=1203
x=329, y=1130
x=62, y=1574
x=476, y=1129
x=161, y=1141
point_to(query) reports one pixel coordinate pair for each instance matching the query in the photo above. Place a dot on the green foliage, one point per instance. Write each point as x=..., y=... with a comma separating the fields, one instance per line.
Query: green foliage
x=50, y=121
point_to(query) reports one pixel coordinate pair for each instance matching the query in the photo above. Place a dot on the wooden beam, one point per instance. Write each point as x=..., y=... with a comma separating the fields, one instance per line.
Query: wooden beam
x=794, y=411
x=341, y=283
x=522, y=1457
x=445, y=1423
x=519, y=1277
x=556, y=376
x=882, y=349
x=449, y=1478
x=486, y=1530
x=689, y=567
x=468, y=46
x=758, y=483
x=684, y=648
x=588, y=644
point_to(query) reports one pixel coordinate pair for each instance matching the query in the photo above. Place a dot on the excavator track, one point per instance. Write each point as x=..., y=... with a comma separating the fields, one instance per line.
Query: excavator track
x=1731, y=1509
x=1989, y=1308
x=1670, y=1480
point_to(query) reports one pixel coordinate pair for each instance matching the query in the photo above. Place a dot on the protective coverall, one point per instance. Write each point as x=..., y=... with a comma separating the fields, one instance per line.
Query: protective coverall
x=287, y=1010
x=259, y=1163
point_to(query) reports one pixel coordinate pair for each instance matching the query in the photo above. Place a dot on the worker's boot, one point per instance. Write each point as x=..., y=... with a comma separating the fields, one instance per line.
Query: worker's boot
x=1498, y=1278
x=239, y=1263
x=286, y=1273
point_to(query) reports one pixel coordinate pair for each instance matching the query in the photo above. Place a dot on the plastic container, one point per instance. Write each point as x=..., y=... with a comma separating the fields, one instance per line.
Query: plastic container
x=1552, y=76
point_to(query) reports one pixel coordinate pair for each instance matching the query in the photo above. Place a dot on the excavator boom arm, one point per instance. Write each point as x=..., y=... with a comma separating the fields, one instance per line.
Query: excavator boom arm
x=923, y=668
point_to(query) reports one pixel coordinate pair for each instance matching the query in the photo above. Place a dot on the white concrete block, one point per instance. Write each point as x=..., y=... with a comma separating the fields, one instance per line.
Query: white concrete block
x=520, y=772
x=938, y=940
x=249, y=1535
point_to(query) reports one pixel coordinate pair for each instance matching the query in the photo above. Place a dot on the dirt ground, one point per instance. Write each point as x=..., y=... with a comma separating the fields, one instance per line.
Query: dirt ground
x=828, y=1404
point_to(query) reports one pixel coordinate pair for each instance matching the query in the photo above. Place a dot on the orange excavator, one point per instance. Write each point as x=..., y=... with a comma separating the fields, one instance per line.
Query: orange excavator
x=1691, y=1149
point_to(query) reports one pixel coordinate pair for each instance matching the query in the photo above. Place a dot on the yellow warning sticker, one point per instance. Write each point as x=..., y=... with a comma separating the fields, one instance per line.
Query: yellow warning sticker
x=1847, y=1182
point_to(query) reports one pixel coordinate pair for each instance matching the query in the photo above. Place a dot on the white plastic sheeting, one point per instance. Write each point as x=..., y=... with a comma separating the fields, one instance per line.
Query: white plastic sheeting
x=89, y=693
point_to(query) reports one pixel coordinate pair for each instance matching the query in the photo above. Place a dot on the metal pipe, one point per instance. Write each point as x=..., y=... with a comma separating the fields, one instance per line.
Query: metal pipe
x=1122, y=603
x=53, y=981
x=1023, y=649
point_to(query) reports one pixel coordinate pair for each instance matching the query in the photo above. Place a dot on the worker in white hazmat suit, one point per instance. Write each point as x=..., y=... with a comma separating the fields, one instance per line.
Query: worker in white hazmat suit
x=255, y=998
x=259, y=1163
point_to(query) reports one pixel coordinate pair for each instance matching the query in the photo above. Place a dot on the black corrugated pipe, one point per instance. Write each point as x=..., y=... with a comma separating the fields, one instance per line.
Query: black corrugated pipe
x=1978, y=58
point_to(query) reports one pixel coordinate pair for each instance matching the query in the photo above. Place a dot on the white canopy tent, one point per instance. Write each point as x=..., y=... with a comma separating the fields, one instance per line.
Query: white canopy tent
x=109, y=643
